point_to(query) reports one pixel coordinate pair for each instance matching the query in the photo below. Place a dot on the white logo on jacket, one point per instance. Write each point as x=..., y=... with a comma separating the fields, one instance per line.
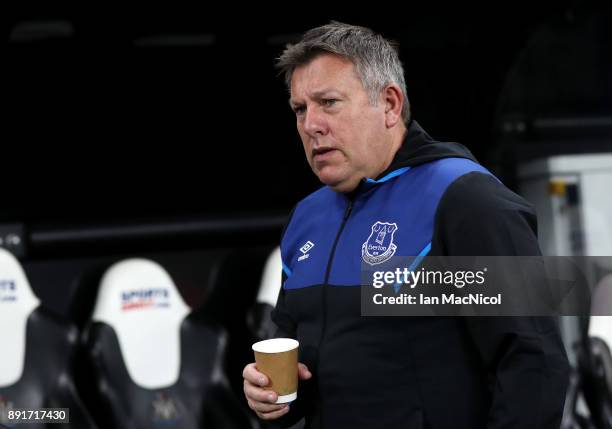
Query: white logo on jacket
x=379, y=246
x=305, y=249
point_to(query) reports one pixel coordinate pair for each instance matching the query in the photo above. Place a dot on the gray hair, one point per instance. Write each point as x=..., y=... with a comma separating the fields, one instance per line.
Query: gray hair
x=375, y=58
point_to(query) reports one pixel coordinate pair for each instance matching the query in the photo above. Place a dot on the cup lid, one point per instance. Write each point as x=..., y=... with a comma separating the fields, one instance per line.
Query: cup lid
x=275, y=345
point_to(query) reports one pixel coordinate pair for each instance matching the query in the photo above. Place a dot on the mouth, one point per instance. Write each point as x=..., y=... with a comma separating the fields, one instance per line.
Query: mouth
x=322, y=153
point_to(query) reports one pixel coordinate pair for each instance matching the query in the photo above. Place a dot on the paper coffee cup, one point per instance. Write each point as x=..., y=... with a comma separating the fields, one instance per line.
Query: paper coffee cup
x=277, y=359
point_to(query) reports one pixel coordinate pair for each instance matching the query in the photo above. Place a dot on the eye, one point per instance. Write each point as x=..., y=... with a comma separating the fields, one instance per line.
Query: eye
x=298, y=110
x=329, y=102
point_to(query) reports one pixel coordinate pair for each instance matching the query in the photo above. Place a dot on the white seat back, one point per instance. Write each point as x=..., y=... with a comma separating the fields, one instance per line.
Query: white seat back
x=139, y=300
x=271, y=279
x=17, y=302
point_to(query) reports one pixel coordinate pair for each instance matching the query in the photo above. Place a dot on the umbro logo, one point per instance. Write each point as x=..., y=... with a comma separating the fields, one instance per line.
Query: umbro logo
x=305, y=249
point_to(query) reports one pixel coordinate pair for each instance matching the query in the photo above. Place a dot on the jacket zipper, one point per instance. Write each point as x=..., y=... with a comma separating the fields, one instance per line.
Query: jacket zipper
x=347, y=213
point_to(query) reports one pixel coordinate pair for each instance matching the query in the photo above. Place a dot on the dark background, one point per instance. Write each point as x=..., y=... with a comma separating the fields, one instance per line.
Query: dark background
x=118, y=112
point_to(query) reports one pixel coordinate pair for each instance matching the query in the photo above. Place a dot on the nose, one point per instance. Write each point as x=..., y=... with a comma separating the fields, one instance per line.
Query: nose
x=315, y=124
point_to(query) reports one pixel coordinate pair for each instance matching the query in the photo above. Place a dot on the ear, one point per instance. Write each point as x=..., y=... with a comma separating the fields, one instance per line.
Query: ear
x=393, y=100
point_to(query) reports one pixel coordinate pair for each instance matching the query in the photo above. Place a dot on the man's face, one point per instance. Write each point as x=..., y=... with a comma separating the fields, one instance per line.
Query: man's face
x=344, y=136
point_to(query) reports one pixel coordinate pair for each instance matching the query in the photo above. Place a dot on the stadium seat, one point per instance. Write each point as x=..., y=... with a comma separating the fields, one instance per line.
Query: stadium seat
x=38, y=351
x=153, y=364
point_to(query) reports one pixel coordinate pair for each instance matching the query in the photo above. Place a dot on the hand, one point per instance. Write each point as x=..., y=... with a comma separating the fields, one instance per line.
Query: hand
x=263, y=401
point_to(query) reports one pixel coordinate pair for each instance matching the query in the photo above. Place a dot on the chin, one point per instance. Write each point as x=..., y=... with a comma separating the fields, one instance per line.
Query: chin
x=329, y=180
x=337, y=180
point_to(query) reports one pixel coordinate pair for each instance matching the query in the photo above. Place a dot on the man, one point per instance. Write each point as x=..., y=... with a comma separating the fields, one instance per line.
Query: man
x=380, y=167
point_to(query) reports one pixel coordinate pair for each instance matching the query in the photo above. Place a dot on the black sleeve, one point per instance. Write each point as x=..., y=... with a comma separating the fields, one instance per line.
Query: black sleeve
x=285, y=325
x=286, y=328
x=524, y=356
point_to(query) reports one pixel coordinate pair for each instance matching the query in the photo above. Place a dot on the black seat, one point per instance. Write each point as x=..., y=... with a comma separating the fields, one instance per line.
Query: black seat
x=153, y=364
x=233, y=292
x=38, y=352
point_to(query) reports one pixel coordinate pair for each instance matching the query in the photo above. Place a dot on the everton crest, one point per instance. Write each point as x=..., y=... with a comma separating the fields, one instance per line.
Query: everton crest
x=379, y=246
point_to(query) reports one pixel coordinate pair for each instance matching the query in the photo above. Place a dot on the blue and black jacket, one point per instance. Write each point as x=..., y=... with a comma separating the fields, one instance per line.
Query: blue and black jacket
x=410, y=372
